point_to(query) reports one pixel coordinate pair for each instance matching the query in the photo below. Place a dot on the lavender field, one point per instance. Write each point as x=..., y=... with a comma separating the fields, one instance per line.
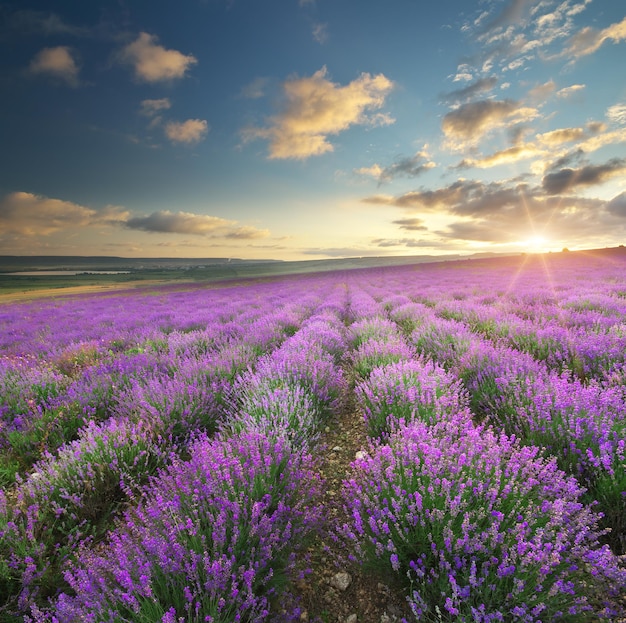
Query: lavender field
x=162, y=450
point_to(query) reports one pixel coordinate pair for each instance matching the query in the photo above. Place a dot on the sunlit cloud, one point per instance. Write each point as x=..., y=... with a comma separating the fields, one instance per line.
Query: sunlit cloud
x=316, y=108
x=570, y=135
x=168, y=222
x=440, y=198
x=505, y=156
x=410, y=224
x=464, y=73
x=566, y=180
x=246, y=233
x=154, y=63
x=594, y=143
x=589, y=40
x=58, y=62
x=470, y=122
x=505, y=212
x=570, y=91
x=411, y=166
x=617, y=114
x=189, y=132
x=410, y=243
x=26, y=214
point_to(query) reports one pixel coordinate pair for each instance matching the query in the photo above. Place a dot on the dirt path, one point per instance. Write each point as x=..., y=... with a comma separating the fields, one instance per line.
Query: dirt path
x=368, y=597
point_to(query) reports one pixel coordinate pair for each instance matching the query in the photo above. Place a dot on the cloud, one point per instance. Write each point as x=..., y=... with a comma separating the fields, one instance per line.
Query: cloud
x=255, y=89
x=460, y=95
x=566, y=180
x=416, y=243
x=511, y=211
x=320, y=32
x=410, y=224
x=58, y=63
x=617, y=114
x=512, y=13
x=617, y=205
x=29, y=22
x=190, y=131
x=411, y=166
x=470, y=122
x=428, y=200
x=315, y=108
x=542, y=91
x=588, y=40
x=168, y=222
x=570, y=135
x=246, y=233
x=26, y=214
x=505, y=156
x=571, y=90
x=151, y=108
x=152, y=62
x=464, y=73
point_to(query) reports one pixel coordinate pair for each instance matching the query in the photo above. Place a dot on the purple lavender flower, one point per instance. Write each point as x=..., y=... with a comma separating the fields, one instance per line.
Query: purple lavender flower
x=408, y=390
x=469, y=517
x=214, y=537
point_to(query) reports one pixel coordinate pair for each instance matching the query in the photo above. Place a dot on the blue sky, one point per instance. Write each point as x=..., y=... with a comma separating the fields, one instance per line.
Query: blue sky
x=306, y=129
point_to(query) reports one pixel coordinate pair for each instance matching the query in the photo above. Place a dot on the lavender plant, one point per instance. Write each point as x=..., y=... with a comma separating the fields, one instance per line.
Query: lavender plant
x=478, y=527
x=375, y=353
x=414, y=389
x=215, y=538
x=582, y=426
x=70, y=498
x=287, y=412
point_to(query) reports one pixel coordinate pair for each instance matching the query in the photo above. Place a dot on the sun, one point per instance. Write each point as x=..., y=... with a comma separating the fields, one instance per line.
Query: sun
x=535, y=244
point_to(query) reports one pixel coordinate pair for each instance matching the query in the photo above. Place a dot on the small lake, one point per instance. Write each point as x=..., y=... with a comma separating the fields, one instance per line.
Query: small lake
x=67, y=273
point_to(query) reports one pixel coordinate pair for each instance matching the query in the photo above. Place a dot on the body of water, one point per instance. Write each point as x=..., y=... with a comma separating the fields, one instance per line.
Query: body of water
x=67, y=273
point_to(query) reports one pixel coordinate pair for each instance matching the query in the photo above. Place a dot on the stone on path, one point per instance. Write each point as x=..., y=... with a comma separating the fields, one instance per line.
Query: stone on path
x=341, y=581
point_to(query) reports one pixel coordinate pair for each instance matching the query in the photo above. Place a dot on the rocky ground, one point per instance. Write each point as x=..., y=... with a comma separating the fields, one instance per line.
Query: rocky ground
x=338, y=590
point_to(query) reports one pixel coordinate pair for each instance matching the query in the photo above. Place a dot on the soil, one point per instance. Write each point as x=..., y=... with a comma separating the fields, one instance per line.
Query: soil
x=369, y=598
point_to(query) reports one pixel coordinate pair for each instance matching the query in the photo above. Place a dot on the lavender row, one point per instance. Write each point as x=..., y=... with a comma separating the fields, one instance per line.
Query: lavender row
x=190, y=572
x=399, y=313
x=434, y=501
x=147, y=415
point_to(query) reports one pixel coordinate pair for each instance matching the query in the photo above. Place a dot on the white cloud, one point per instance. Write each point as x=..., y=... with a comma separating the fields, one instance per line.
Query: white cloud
x=26, y=214
x=190, y=131
x=152, y=62
x=571, y=90
x=57, y=62
x=315, y=108
x=588, y=40
x=617, y=114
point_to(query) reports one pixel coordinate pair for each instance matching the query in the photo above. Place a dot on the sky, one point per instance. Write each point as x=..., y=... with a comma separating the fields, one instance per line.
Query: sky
x=310, y=129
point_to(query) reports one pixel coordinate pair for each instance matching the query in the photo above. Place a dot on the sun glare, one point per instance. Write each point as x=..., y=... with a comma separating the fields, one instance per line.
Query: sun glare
x=536, y=244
